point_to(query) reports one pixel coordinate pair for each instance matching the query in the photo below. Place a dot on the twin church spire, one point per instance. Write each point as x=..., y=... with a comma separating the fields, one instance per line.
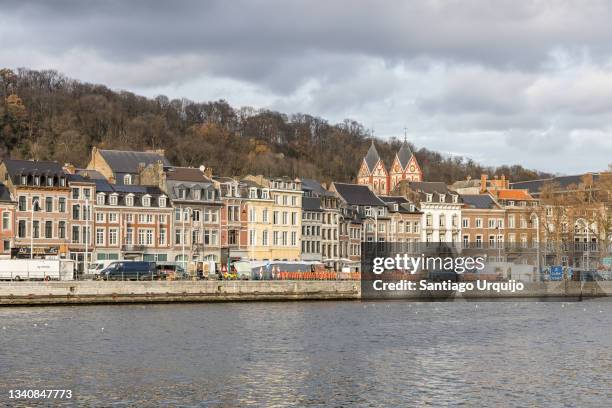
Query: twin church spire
x=375, y=175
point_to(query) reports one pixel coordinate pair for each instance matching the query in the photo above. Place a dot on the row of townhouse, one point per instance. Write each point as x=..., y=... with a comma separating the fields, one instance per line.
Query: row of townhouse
x=136, y=205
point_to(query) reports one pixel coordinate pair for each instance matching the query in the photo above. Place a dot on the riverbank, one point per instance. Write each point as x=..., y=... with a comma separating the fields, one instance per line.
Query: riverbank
x=100, y=292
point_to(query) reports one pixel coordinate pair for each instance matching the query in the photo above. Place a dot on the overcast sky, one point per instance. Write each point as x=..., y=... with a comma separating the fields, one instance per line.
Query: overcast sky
x=502, y=82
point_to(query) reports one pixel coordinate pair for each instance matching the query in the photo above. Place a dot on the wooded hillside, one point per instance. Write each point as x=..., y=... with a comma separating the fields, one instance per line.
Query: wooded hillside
x=44, y=115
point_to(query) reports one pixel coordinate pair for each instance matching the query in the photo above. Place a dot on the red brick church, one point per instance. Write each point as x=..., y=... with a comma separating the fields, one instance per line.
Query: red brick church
x=374, y=174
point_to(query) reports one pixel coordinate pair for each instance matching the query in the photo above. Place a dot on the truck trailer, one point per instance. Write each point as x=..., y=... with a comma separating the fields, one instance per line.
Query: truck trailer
x=36, y=269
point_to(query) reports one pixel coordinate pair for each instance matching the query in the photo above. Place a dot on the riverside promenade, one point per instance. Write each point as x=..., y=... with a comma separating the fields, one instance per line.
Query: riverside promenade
x=101, y=292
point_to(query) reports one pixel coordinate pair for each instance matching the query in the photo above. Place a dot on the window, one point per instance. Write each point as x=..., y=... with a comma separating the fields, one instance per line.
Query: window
x=511, y=222
x=22, y=203
x=146, y=201
x=100, y=199
x=264, y=237
x=75, y=233
x=49, y=204
x=195, y=234
x=6, y=220
x=284, y=243
x=251, y=237
x=177, y=236
x=285, y=218
x=293, y=201
x=113, y=199
x=49, y=229
x=491, y=223
x=293, y=238
x=127, y=179
x=129, y=236
x=87, y=193
x=275, y=238
x=162, y=236
x=465, y=223
x=76, y=210
x=162, y=219
x=264, y=215
x=113, y=235
x=61, y=204
x=275, y=217
x=24, y=180
x=195, y=215
x=37, y=180
x=100, y=217
x=232, y=238
x=478, y=222
x=197, y=194
x=61, y=230
x=99, y=236
x=75, y=193
x=466, y=241
x=141, y=236
x=294, y=218
x=149, y=236
x=129, y=200
x=36, y=203
x=62, y=182
x=429, y=220
x=21, y=229
x=162, y=201
x=252, y=215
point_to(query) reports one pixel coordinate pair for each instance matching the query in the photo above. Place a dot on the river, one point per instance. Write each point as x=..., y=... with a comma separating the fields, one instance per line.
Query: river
x=386, y=353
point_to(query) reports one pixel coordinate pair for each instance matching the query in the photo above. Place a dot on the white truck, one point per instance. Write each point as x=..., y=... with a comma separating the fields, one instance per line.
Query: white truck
x=36, y=269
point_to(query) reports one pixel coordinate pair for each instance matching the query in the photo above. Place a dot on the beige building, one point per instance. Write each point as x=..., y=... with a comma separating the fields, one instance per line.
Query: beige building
x=274, y=217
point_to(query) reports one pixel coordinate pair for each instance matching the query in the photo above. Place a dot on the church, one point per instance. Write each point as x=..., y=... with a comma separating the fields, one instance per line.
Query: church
x=374, y=174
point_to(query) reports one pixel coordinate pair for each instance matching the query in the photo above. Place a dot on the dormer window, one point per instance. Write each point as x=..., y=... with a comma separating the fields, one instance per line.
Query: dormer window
x=442, y=198
x=368, y=211
x=395, y=207
x=50, y=181
x=113, y=199
x=252, y=192
x=127, y=179
x=62, y=182
x=182, y=193
x=162, y=201
x=429, y=197
x=265, y=194
x=100, y=199
x=455, y=199
x=129, y=200
x=146, y=201
x=37, y=181
x=197, y=194
x=24, y=180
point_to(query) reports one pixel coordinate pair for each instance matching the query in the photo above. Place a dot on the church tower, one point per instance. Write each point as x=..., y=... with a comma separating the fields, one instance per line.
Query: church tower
x=373, y=173
x=405, y=166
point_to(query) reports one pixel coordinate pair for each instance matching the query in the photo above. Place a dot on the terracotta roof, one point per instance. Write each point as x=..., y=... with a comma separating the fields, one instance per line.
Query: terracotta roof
x=513, y=195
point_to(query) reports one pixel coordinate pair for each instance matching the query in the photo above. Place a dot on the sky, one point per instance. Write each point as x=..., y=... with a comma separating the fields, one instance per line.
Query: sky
x=503, y=82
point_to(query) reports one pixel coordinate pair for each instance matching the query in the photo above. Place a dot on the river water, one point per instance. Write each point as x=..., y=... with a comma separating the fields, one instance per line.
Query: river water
x=391, y=353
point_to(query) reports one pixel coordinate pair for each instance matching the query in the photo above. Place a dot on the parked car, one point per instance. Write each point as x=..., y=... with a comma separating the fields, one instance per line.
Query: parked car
x=136, y=270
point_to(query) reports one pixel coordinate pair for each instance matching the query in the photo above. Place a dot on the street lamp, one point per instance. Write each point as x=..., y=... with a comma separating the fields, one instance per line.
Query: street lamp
x=35, y=206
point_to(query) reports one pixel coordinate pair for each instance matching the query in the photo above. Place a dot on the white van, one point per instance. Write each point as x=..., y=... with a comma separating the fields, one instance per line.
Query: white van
x=96, y=267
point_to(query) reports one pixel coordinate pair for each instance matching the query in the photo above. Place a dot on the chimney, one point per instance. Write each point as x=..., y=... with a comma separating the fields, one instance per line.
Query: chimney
x=505, y=184
x=69, y=168
x=483, y=183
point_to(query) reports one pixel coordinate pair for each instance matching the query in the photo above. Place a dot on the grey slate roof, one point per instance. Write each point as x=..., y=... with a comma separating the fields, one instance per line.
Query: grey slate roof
x=479, y=201
x=311, y=204
x=404, y=154
x=372, y=157
x=357, y=194
x=92, y=174
x=315, y=187
x=18, y=167
x=124, y=161
x=5, y=195
x=435, y=188
x=534, y=186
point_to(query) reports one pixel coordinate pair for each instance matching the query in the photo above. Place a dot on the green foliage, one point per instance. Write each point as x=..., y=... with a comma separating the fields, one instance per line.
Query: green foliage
x=44, y=115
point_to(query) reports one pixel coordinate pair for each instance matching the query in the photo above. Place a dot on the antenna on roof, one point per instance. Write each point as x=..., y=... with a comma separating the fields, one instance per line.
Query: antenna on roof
x=405, y=134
